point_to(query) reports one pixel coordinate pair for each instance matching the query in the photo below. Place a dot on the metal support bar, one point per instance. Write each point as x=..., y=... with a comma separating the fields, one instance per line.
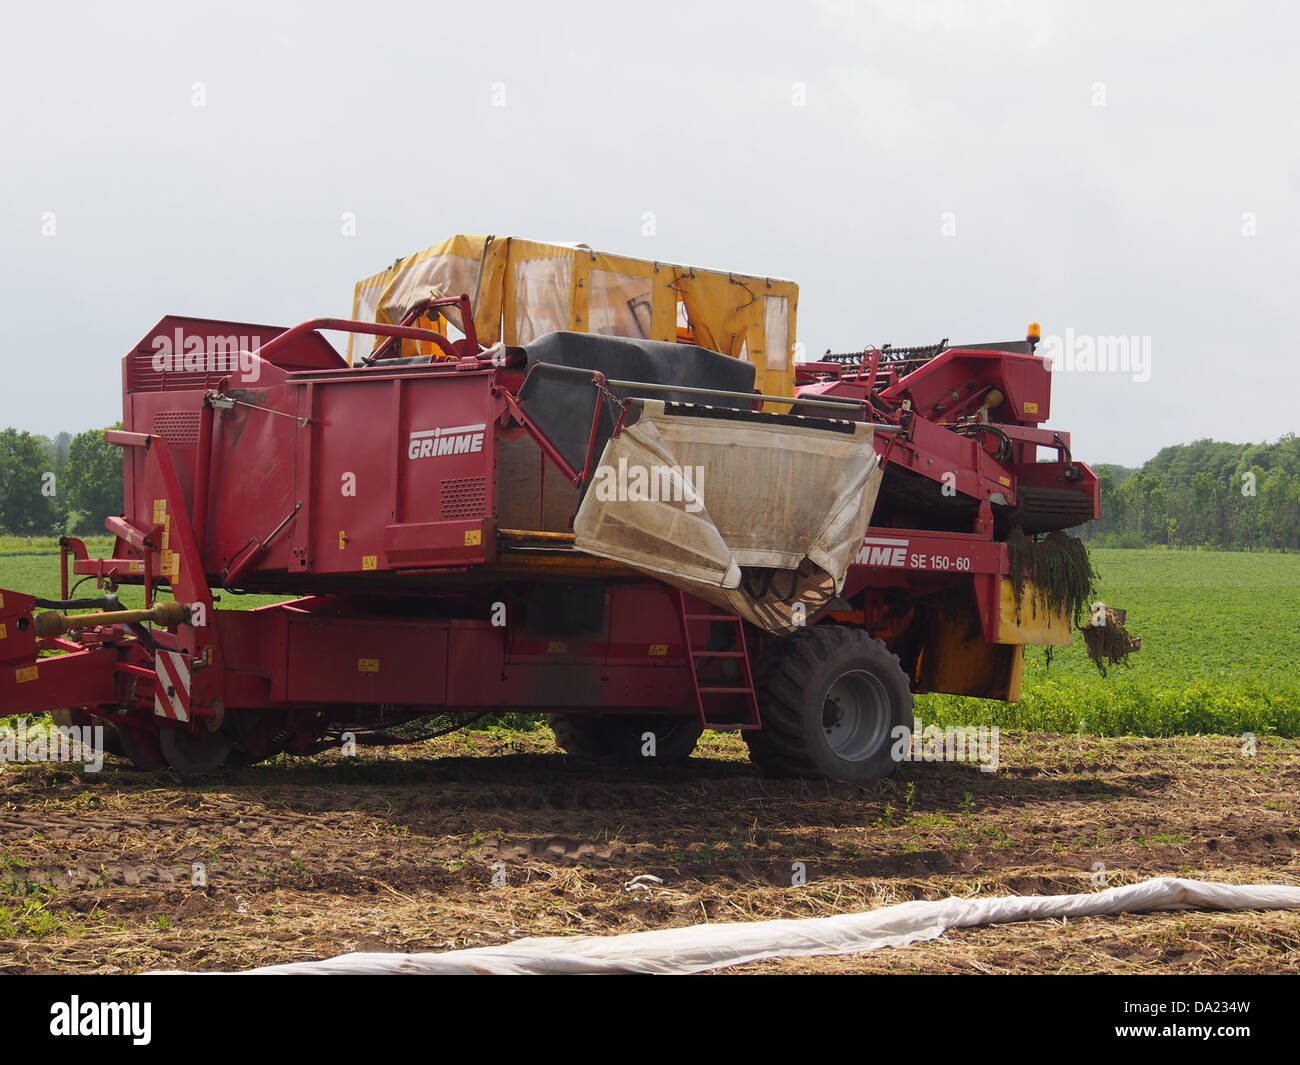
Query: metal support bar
x=548, y=449
x=202, y=478
x=137, y=538
x=470, y=342
x=222, y=401
x=527, y=536
x=833, y=404
x=55, y=623
x=255, y=548
x=346, y=325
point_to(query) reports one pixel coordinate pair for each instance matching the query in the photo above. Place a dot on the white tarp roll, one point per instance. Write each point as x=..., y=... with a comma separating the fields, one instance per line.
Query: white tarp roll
x=716, y=946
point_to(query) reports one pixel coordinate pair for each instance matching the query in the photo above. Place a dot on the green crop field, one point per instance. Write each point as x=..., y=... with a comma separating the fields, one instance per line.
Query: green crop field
x=30, y=564
x=1220, y=646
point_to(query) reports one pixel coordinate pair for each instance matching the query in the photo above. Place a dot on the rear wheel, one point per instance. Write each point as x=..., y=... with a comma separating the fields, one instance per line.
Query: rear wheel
x=622, y=737
x=831, y=700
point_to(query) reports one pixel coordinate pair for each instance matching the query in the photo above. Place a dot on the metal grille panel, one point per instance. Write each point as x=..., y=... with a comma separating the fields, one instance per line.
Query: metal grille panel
x=179, y=427
x=464, y=497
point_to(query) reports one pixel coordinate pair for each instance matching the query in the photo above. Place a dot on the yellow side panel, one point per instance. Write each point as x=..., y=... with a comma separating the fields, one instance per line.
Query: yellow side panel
x=663, y=300
x=791, y=342
x=664, y=313
x=386, y=296
x=1037, y=624
x=365, y=301
x=727, y=310
x=580, y=297
x=520, y=252
x=522, y=249
x=956, y=659
x=1017, y=676
x=491, y=291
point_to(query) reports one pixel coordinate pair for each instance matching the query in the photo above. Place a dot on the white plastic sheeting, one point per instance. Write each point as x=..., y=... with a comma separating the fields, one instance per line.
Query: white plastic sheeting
x=716, y=946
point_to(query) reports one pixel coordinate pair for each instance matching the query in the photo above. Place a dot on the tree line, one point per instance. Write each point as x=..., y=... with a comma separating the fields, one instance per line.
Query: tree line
x=1241, y=497
x=61, y=487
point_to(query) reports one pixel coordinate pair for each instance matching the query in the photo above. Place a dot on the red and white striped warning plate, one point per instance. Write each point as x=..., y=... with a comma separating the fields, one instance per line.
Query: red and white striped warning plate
x=171, y=695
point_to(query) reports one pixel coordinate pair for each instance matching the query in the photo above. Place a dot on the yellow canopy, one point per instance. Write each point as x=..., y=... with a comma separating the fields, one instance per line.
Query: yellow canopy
x=521, y=289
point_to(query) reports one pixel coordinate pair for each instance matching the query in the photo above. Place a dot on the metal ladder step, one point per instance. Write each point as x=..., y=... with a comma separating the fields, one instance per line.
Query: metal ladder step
x=702, y=688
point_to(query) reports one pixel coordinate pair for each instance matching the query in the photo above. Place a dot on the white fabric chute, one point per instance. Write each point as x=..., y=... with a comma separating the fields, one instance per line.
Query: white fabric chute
x=716, y=946
x=761, y=518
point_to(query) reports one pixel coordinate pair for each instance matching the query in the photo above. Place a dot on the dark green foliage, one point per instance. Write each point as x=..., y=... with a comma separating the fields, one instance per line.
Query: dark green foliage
x=93, y=477
x=1109, y=643
x=52, y=487
x=1059, y=568
x=30, y=500
x=1204, y=494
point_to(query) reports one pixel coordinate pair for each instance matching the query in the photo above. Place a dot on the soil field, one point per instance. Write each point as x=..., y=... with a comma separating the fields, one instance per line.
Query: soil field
x=396, y=849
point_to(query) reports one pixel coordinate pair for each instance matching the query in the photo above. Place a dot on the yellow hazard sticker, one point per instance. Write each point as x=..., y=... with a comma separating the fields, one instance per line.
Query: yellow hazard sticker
x=1031, y=408
x=367, y=665
x=1004, y=480
x=473, y=537
x=369, y=561
x=556, y=648
x=657, y=650
x=26, y=674
x=3, y=633
x=343, y=540
x=159, y=511
x=137, y=567
x=2, y=600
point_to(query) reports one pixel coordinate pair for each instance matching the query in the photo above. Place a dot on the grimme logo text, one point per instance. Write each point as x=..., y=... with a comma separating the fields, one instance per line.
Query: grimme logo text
x=460, y=440
x=179, y=353
x=880, y=551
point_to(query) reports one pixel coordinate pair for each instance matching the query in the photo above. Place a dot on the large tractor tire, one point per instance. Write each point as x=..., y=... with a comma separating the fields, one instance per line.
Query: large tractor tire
x=831, y=698
x=618, y=737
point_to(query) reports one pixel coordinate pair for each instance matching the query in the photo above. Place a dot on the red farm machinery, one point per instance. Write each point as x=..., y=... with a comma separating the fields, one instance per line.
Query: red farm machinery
x=590, y=486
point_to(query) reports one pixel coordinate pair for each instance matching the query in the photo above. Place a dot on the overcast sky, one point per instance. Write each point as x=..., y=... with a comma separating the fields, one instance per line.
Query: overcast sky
x=922, y=171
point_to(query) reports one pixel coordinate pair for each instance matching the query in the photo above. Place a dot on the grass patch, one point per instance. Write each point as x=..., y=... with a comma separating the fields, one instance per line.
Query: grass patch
x=30, y=917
